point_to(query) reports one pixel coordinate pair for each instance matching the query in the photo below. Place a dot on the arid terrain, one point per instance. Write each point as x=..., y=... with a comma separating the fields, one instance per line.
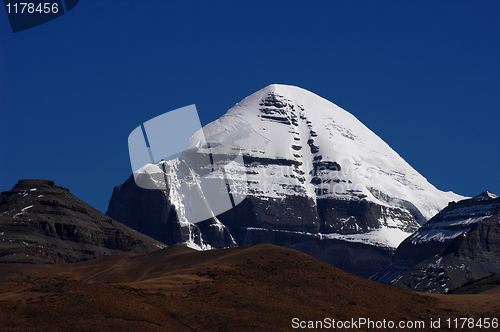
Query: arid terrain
x=259, y=288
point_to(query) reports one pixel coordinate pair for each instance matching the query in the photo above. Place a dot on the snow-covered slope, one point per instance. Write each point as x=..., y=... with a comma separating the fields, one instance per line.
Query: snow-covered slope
x=457, y=219
x=330, y=155
x=287, y=122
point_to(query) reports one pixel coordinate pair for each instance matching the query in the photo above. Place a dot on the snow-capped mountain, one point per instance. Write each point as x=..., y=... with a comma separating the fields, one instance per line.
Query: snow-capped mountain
x=459, y=244
x=314, y=175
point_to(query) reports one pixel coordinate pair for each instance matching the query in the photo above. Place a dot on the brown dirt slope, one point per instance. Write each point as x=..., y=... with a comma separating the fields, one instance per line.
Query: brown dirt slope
x=260, y=288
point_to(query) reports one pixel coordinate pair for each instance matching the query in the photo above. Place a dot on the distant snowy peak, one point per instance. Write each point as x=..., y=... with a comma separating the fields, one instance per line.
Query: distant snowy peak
x=322, y=152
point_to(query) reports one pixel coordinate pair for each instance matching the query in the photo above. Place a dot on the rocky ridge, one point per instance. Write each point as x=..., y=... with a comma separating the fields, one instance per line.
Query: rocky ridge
x=459, y=245
x=42, y=223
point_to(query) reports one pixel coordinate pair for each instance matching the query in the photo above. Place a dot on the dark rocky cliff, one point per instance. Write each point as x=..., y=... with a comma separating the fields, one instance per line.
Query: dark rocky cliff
x=459, y=245
x=292, y=222
x=151, y=213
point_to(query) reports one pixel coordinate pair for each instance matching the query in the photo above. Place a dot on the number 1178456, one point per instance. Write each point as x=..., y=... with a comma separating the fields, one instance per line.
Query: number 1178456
x=470, y=323
x=30, y=8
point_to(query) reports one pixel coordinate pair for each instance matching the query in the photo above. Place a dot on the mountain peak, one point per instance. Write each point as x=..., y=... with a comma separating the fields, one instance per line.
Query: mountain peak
x=312, y=175
x=299, y=146
x=282, y=89
x=33, y=184
x=487, y=195
x=335, y=155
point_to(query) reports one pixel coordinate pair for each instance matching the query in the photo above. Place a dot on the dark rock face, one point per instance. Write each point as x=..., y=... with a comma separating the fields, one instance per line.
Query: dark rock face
x=41, y=223
x=459, y=245
x=138, y=205
x=479, y=286
x=274, y=213
x=151, y=213
x=359, y=216
x=293, y=222
x=357, y=258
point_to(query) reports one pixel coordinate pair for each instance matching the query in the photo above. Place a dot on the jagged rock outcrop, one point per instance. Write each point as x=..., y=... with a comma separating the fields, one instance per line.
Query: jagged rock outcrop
x=42, y=223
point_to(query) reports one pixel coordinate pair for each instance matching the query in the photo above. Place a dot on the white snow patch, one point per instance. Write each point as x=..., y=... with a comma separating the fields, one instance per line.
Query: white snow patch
x=192, y=245
x=26, y=208
x=383, y=237
x=161, y=246
x=23, y=211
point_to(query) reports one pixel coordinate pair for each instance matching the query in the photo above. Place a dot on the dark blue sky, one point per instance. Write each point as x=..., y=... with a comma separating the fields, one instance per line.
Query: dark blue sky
x=423, y=75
